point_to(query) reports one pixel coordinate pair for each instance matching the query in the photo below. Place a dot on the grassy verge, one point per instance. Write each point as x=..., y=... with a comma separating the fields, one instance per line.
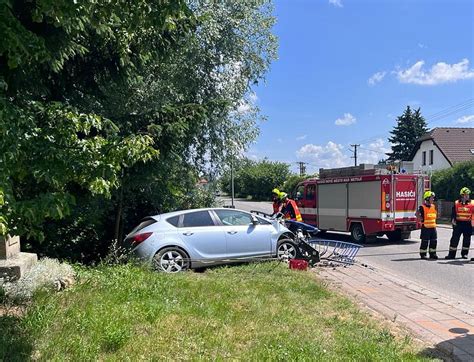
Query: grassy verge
x=249, y=312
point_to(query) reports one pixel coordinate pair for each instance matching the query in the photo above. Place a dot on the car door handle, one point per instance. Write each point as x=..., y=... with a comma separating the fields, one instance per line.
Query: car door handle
x=188, y=233
x=232, y=232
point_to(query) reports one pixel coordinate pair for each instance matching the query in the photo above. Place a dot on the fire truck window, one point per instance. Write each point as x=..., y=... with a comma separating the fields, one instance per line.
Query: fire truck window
x=299, y=192
x=310, y=192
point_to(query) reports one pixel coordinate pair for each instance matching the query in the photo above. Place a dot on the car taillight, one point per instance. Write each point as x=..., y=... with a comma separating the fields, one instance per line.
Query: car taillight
x=139, y=238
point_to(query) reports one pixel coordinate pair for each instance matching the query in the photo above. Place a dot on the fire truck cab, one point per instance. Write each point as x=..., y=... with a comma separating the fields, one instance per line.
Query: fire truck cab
x=363, y=200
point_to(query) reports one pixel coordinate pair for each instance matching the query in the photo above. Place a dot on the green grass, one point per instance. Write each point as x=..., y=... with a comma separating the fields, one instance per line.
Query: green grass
x=249, y=312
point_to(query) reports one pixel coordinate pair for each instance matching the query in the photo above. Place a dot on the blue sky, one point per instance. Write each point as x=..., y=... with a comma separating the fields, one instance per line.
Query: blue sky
x=347, y=68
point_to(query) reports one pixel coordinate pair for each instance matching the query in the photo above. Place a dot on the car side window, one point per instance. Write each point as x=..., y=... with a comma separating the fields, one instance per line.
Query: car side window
x=173, y=220
x=233, y=217
x=198, y=218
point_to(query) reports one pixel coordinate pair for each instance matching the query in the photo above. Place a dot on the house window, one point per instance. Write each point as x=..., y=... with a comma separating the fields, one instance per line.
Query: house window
x=431, y=157
x=423, y=158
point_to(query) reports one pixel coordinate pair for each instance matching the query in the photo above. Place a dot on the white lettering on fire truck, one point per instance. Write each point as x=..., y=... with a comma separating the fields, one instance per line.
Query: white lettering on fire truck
x=406, y=193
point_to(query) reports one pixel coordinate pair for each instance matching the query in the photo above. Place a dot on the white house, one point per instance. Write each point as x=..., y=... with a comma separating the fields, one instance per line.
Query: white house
x=442, y=148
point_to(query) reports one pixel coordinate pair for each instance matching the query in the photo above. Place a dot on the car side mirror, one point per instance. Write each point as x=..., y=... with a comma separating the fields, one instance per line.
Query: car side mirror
x=255, y=220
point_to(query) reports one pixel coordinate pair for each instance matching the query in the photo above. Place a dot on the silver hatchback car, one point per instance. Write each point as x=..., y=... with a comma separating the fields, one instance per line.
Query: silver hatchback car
x=197, y=238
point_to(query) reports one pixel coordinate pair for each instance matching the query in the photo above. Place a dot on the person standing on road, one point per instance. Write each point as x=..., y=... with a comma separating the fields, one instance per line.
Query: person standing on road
x=461, y=219
x=289, y=208
x=429, y=237
x=276, y=201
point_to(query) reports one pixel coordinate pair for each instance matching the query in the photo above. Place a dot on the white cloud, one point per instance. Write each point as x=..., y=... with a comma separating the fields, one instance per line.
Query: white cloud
x=326, y=156
x=333, y=155
x=253, y=156
x=439, y=73
x=373, y=152
x=253, y=97
x=422, y=46
x=466, y=119
x=243, y=107
x=347, y=120
x=377, y=77
x=300, y=138
x=336, y=3
x=247, y=104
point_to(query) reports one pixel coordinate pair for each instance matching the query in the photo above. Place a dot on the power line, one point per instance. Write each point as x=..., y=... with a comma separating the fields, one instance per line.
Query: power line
x=368, y=149
x=462, y=104
x=435, y=117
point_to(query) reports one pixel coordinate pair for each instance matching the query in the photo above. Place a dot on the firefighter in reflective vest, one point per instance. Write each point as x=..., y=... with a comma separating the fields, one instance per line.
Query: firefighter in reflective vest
x=276, y=201
x=289, y=208
x=461, y=218
x=427, y=214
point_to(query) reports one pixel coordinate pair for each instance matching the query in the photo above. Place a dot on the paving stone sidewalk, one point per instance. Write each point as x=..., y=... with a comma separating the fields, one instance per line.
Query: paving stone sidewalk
x=436, y=319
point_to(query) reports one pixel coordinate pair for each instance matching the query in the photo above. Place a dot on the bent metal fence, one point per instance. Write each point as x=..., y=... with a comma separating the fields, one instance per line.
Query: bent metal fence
x=329, y=250
x=336, y=251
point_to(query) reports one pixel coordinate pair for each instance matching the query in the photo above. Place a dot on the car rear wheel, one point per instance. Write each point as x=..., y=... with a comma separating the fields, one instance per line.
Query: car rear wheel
x=286, y=250
x=171, y=260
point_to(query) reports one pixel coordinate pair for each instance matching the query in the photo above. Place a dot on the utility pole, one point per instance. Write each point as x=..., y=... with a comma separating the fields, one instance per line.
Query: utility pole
x=232, y=178
x=355, y=154
x=302, y=166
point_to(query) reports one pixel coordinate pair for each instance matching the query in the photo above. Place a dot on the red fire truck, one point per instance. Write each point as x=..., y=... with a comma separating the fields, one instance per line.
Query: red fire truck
x=364, y=200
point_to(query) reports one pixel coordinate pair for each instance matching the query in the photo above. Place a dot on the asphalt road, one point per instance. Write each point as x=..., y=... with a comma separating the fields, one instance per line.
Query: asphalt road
x=453, y=278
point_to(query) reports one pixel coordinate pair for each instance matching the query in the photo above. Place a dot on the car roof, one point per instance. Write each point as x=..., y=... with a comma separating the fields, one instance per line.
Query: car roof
x=179, y=212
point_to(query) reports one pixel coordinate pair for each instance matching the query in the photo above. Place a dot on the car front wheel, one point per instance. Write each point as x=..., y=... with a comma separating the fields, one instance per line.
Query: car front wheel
x=286, y=250
x=171, y=260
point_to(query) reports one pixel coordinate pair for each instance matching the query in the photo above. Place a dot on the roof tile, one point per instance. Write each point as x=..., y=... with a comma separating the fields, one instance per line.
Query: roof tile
x=455, y=143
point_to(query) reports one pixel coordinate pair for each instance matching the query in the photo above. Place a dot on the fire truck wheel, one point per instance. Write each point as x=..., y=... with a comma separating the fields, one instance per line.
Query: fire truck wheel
x=406, y=235
x=394, y=236
x=398, y=235
x=357, y=233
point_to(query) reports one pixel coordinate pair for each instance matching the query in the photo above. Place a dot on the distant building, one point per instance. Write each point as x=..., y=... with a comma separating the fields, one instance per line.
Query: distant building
x=443, y=147
x=202, y=181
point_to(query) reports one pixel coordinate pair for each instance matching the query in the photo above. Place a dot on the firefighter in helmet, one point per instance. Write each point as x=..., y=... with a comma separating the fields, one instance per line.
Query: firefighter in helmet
x=276, y=201
x=289, y=208
x=461, y=219
x=427, y=214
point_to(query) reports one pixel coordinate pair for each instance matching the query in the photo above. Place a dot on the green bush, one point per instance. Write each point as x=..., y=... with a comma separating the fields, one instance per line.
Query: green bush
x=448, y=182
x=291, y=182
x=256, y=179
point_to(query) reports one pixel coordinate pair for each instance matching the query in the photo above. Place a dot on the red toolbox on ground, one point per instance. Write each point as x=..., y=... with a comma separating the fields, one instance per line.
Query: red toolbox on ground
x=298, y=264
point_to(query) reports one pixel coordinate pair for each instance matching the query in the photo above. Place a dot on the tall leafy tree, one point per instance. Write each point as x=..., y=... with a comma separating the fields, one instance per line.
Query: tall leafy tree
x=411, y=125
x=56, y=60
x=116, y=108
x=198, y=105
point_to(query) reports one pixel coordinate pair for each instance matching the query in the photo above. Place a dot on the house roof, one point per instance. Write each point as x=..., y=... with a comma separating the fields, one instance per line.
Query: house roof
x=456, y=144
